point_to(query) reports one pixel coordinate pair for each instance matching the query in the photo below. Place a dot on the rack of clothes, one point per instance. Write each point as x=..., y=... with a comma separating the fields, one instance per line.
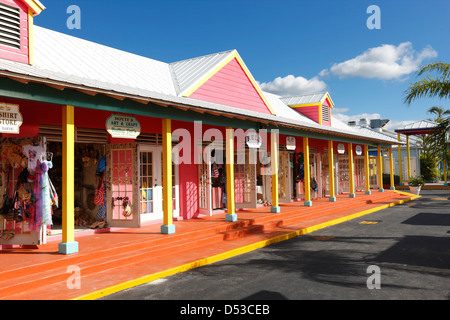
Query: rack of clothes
x=31, y=198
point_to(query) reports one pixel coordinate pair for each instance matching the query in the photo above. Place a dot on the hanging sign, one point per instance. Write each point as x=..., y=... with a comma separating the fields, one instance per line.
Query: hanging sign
x=121, y=126
x=358, y=150
x=290, y=143
x=10, y=118
x=253, y=140
x=341, y=148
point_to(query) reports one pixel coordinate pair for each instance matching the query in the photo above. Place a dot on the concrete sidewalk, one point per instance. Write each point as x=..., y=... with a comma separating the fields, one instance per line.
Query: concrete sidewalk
x=112, y=261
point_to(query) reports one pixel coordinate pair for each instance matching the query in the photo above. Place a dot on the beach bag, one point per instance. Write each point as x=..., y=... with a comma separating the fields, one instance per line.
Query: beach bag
x=100, y=193
x=53, y=194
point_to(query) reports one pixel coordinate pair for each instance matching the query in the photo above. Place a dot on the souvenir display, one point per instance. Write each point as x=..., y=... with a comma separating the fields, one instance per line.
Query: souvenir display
x=28, y=196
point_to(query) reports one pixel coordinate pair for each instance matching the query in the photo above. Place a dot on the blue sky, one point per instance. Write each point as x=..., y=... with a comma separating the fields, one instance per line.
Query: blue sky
x=291, y=47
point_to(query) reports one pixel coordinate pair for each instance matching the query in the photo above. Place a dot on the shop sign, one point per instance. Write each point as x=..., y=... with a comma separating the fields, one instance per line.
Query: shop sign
x=253, y=140
x=290, y=143
x=121, y=126
x=358, y=150
x=341, y=148
x=10, y=118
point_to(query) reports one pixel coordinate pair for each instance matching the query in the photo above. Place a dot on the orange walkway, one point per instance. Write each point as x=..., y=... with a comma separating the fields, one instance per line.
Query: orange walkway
x=112, y=261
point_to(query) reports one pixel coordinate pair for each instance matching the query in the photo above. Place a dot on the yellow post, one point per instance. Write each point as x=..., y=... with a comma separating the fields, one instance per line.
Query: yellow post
x=68, y=244
x=274, y=166
x=308, y=202
x=168, y=227
x=446, y=169
x=380, y=171
x=400, y=166
x=351, y=170
x=408, y=155
x=391, y=168
x=229, y=145
x=331, y=170
x=445, y=173
x=367, y=169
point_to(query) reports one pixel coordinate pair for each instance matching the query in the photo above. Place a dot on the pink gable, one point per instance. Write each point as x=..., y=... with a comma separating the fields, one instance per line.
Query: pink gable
x=231, y=86
x=9, y=52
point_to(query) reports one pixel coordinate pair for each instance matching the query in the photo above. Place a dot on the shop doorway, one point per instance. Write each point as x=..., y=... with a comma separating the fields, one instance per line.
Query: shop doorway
x=212, y=180
x=87, y=157
x=344, y=174
x=151, y=184
x=360, y=174
x=245, y=179
x=315, y=169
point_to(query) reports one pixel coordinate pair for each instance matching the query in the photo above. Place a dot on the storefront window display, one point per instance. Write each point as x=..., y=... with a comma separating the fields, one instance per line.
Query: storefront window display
x=27, y=195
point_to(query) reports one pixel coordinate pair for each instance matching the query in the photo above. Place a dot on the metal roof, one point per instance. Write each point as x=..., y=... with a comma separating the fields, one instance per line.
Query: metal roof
x=74, y=57
x=419, y=127
x=304, y=99
x=188, y=72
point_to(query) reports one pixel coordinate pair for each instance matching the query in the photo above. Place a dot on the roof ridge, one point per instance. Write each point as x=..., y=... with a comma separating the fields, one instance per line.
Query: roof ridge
x=203, y=56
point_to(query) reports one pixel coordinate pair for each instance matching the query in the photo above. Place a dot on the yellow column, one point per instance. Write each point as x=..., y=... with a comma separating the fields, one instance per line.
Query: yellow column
x=367, y=169
x=274, y=166
x=168, y=227
x=68, y=244
x=446, y=169
x=391, y=168
x=229, y=144
x=380, y=171
x=400, y=166
x=408, y=156
x=351, y=170
x=308, y=202
x=445, y=172
x=331, y=170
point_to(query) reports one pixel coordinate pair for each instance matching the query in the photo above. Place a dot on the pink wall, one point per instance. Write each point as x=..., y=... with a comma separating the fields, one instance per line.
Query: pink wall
x=231, y=86
x=10, y=53
x=310, y=112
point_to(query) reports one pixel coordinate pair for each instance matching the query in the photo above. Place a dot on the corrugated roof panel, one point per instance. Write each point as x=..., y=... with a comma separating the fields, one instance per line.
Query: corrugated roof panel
x=188, y=72
x=305, y=99
x=89, y=60
x=422, y=124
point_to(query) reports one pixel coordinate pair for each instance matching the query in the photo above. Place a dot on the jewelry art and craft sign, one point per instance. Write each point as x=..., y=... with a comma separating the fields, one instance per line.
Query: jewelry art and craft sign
x=121, y=126
x=10, y=118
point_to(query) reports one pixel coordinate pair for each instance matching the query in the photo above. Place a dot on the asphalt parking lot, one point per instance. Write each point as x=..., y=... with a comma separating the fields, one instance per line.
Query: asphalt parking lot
x=398, y=253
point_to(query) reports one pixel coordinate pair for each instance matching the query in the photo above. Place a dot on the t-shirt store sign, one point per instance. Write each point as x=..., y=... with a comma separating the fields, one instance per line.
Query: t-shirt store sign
x=10, y=118
x=121, y=126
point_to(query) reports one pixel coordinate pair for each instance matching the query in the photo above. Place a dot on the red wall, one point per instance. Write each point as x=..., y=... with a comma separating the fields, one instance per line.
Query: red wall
x=10, y=53
x=231, y=86
x=310, y=112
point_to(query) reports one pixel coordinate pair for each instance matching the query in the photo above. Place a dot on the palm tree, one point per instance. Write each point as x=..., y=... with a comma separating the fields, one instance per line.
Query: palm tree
x=439, y=112
x=429, y=86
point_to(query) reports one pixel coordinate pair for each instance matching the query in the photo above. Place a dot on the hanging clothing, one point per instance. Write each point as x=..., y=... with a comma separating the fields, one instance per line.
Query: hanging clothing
x=33, y=153
x=101, y=213
x=42, y=214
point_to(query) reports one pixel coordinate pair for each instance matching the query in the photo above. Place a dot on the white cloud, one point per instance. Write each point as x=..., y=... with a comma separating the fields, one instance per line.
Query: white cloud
x=292, y=86
x=384, y=62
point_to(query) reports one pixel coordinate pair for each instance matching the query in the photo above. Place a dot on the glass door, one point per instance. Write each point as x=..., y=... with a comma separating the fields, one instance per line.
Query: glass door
x=204, y=184
x=284, y=178
x=244, y=181
x=122, y=173
x=151, y=184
